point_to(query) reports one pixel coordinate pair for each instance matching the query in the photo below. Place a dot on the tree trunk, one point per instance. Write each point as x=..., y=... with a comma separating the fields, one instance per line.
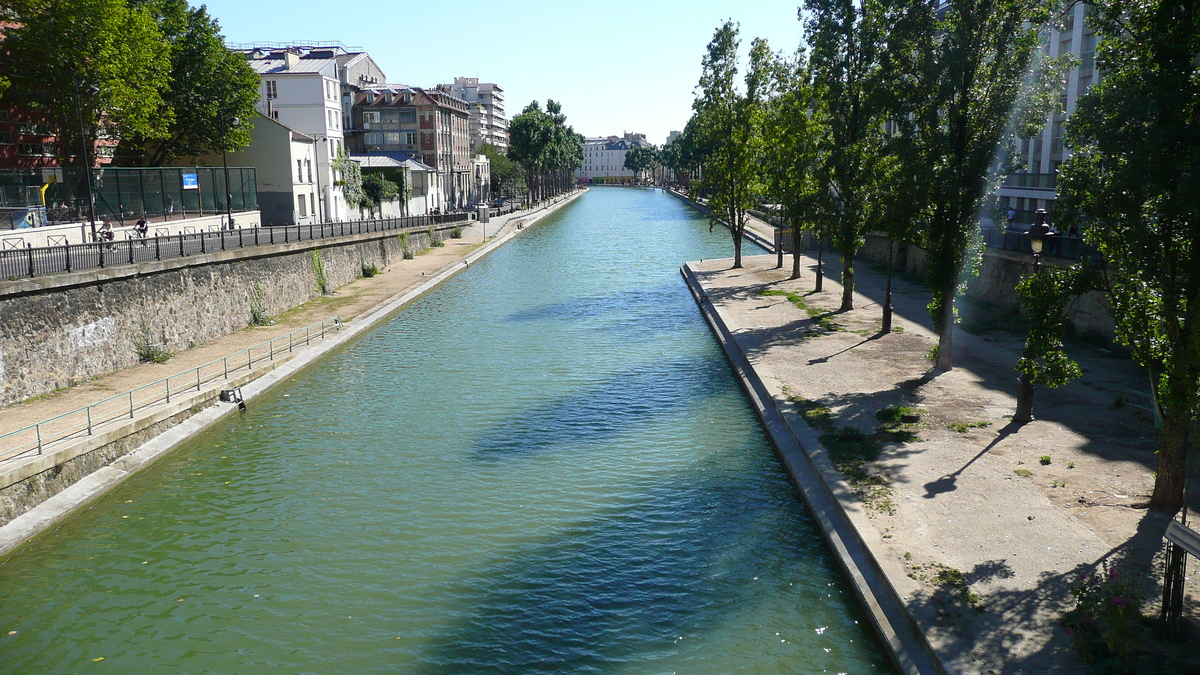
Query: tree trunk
x=737, y=245
x=795, y=253
x=945, y=361
x=847, y=281
x=1024, y=413
x=1171, y=474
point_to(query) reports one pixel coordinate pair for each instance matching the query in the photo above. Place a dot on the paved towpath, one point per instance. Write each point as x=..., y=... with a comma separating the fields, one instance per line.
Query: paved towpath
x=980, y=537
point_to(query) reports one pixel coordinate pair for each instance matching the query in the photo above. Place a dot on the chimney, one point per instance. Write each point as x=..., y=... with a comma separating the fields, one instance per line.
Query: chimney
x=291, y=58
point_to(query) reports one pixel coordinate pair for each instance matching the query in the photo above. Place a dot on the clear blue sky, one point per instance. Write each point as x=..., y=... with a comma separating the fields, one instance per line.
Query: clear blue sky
x=615, y=66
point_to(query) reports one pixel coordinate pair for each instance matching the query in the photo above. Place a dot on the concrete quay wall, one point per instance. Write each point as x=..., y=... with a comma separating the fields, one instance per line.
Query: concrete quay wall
x=59, y=330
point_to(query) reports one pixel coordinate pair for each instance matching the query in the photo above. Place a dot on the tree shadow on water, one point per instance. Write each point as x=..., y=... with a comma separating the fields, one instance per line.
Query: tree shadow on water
x=607, y=409
x=640, y=584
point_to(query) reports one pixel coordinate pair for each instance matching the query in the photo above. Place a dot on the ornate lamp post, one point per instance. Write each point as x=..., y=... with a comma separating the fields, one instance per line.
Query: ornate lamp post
x=1039, y=232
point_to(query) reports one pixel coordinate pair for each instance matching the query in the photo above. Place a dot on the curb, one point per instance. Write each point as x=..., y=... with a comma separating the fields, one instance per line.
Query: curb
x=44, y=516
x=907, y=646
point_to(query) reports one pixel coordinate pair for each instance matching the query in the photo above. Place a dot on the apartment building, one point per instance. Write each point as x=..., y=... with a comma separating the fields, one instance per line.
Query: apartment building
x=1035, y=187
x=485, y=101
x=604, y=159
x=428, y=125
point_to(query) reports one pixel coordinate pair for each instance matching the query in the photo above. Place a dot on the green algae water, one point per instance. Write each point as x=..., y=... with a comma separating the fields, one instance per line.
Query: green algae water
x=544, y=466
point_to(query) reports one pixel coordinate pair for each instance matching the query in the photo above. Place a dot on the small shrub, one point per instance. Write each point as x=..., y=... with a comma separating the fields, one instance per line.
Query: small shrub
x=369, y=270
x=1070, y=465
x=1108, y=608
x=1044, y=459
x=147, y=350
x=258, y=307
x=933, y=354
x=434, y=240
x=456, y=233
x=318, y=267
x=404, y=247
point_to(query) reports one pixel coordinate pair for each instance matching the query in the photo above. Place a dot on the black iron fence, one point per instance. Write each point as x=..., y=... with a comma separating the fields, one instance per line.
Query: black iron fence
x=1057, y=246
x=31, y=262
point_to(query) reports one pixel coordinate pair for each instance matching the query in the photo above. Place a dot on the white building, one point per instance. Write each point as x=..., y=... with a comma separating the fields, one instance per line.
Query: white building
x=604, y=159
x=309, y=87
x=1036, y=187
x=488, y=123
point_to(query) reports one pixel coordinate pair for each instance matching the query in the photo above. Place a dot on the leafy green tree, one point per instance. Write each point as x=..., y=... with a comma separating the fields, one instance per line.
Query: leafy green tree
x=727, y=125
x=961, y=82
x=545, y=148
x=793, y=157
x=210, y=87
x=90, y=63
x=847, y=39
x=506, y=175
x=640, y=158
x=1045, y=296
x=1131, y=181
x=377, y=189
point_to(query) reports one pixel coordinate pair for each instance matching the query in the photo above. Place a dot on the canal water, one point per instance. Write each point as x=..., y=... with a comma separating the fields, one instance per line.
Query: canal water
x=543, y=466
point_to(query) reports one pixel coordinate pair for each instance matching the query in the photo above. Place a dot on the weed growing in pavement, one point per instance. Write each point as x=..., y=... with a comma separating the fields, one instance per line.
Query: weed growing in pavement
x=951, y=579
x=963, y=427
x=1044, y=460
x=369, y=270
x=871, y=488
x=1023, y=473
x=897, y=424
x=1070, y=465
x=820, y=317
x=815, y=414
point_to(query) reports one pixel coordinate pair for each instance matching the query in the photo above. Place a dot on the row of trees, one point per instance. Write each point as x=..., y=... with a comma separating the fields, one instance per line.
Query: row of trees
x=154, y=73
x=546, y=148
x=900, y=119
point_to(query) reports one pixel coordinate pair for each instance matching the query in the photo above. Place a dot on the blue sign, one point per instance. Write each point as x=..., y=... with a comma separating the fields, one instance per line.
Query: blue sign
x=190, y=181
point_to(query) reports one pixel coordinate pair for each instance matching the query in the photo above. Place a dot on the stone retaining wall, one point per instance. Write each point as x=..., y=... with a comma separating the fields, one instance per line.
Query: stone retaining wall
x=997, y=281
x=59, y=330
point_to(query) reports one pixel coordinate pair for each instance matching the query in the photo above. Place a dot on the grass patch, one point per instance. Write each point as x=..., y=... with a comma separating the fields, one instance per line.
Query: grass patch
x=849, y=444
x=1023, y=473
x=819, y=316
x=818, y=416
x=871, y=488
x=963, y=427
x=370, y=270
x=897, y=424
x=456, y=233
x=899, y=413
x=952, y=580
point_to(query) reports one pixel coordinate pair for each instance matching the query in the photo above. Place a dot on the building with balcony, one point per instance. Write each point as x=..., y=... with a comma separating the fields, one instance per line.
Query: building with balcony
x=485, y=101
x=1035, y=187
x=428, y=125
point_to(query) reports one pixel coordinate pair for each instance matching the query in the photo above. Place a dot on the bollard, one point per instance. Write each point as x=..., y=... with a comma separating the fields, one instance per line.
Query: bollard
x=168, y=383
x=89, y=416
x=131, y=405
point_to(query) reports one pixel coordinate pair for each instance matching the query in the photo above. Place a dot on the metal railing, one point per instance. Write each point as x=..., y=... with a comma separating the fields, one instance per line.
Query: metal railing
x=31, y=262
x=82, y=422
x=1057, y=246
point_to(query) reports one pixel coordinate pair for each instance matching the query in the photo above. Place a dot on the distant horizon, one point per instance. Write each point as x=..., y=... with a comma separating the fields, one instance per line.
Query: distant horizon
x=633, y=67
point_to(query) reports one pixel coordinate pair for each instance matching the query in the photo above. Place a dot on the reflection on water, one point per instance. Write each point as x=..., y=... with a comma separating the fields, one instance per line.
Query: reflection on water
x=543, y=466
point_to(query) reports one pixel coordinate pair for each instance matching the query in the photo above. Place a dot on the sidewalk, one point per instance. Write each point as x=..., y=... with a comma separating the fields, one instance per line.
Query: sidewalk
x=979, y=536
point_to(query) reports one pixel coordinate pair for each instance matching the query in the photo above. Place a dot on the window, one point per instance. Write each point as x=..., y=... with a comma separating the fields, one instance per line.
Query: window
x=312, y=203
x=105, y=151
x=32, y=129
x=5, y=115
x=410, y=138
x=302, y=205
x=5, y=138
x=308, y=165
x=272, y=89
x=406, y=115
x=275, y=114
x=36, y=149
x=299, y=171
x=370, y=119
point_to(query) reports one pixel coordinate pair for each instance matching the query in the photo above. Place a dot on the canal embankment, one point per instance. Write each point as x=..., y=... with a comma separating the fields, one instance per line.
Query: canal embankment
x=961, y=531
x=38, y=489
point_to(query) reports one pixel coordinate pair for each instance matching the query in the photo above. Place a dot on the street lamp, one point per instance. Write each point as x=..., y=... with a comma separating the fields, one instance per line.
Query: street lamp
x=233, y=122
x=87, y=164
x=1039, y=232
